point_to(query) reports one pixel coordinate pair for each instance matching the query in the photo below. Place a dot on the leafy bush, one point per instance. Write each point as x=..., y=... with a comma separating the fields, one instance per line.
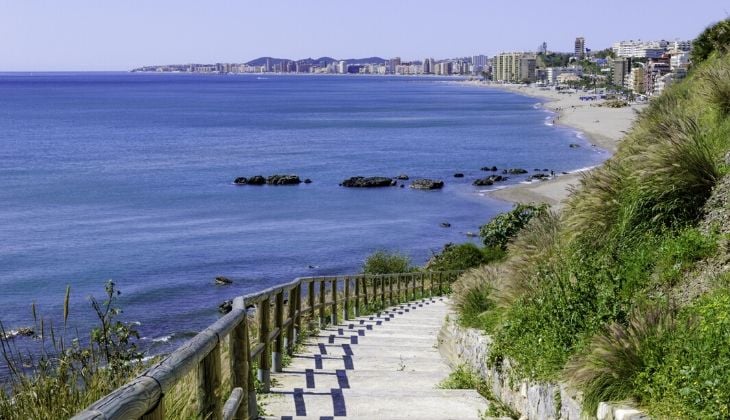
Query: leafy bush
x=505, y=226
x=463, y=256
x=384, y=262
x=714, y=39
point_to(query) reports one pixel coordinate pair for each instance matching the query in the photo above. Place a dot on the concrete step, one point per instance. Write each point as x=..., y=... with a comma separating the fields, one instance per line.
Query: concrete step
x=377, y=404
x=356, y=379
x=387, y=363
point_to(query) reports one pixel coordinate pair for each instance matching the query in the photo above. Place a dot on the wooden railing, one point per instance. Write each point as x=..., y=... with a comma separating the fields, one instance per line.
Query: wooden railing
x=143, y=397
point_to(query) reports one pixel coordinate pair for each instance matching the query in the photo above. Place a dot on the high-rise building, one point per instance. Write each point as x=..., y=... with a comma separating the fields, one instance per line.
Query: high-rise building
x=428, y=64
x=342, y=67
x=542, y=48
x=479, y=62
x=620, y=68
x=580, y=48
x=514, y=67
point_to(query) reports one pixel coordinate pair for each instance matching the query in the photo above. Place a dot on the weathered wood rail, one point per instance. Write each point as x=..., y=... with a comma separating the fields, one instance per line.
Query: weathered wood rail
x=143, y=397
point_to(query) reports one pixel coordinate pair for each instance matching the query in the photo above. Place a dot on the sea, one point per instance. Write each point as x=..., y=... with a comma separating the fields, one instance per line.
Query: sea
x=128, y=176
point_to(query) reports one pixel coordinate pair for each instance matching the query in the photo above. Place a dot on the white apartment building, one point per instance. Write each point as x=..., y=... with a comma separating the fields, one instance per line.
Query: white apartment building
x=552, y=73
x=646, y=49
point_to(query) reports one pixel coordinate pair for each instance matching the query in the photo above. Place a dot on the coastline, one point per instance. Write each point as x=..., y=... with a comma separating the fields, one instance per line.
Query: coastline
x=604, y=127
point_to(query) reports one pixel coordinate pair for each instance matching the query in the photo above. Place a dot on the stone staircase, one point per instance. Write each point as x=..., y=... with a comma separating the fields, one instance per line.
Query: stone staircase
x=381, y=366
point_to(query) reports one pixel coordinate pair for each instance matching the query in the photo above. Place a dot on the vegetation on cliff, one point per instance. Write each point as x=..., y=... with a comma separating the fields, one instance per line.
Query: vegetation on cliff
x=625, y=294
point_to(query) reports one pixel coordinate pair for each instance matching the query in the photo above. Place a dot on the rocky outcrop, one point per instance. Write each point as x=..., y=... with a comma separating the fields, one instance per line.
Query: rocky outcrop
x=491, y=179
x=514, y=171
x=254, y=180
x=368, y=182
x=283, y=180
x=458, y=175
x=541, y=177
x=225, y=307
x=402, y=177
x=223, y=280
x=489, y=168
x=427, y=184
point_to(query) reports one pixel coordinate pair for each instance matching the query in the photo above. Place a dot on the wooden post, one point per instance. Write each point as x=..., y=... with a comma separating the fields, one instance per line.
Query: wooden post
x=298, y=310
x=346, y=304
x=157, y=413
x=334, y=301
x=440, y=278
x=365, y=291
x=291, y=329
x=311, y=299
x=322, y=299
x=390, y=288
x=264, y=375
x=278, y=349
x=240, y=358
x=358, y=280
x=209, y=385
x=430, y=284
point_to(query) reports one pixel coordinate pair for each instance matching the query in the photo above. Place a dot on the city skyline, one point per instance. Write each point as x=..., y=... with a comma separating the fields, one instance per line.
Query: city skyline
x=84, y=35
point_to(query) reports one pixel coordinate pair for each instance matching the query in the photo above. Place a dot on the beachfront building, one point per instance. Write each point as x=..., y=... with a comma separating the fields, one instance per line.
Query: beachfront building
x=635, y=81
x=580, y=48
x=552, y=73
x=479, y=63
x=514, y=67
x=620, y=69
x=648, y=49
x=655, y=69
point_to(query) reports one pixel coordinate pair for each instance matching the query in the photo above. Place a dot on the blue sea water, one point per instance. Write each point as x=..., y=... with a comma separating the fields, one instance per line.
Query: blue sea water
x=129, y=177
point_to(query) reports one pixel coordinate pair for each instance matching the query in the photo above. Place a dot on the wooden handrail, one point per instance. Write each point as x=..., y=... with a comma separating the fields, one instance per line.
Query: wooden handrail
x=143, y=396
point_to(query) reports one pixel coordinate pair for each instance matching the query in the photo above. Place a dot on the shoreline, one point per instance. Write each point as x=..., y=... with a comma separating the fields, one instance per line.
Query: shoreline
x=603, y=127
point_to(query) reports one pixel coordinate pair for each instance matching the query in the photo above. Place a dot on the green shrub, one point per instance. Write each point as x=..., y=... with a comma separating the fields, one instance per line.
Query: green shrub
x=678, y=254
x=384, y=262
x=463, y=256
x=505, y=226
x=715, y=39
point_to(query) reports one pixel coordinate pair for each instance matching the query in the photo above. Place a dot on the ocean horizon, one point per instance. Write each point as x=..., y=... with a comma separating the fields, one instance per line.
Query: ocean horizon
x=130, y=177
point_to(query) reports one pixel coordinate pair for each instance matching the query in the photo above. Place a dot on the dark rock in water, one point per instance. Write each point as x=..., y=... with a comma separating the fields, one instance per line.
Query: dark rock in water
x=482, y=182
x=402, y=177
x=427, y=184
x=402, y=185
x=283, y=180
x=370, y=182
x=489, y=168
x=545, y=170
x=394, y=183
x=307, y=181
x=225, y=307
x=446, y=225
x=256, y=180
x=536, y=170
x=223, y=280
x=458, y=175
x=541, y=177
x=241, y=180
x=514, y=171
x=471, y=234
x=574, y=145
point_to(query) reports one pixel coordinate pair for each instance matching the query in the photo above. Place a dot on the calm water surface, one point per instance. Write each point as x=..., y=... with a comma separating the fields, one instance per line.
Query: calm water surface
x=128, y=177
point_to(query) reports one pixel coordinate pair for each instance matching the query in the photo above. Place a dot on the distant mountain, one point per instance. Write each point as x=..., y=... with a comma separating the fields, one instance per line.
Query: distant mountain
x=322, y=61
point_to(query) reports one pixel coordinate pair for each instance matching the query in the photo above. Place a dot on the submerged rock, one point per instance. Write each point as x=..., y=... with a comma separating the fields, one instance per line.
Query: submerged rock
x=283, y=180
x=223, y=280
x=574, y=145
x=241, y=180
x=541, y=177
x=445, y=225
x=402, y=177
x=489, y=168
x=307, y=181
x=483, y=182
x=369, y=182
x=427, y=184
x=514, y=171
x=458, y=175
x=225, y=307
x=254, y=180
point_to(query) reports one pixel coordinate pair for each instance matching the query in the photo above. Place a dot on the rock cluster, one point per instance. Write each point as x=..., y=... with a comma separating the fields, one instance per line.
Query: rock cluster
x=368, y=182
x=514, y=171
x=272, y=180
x=491, y=179
x=489, y=168
x=427, y=184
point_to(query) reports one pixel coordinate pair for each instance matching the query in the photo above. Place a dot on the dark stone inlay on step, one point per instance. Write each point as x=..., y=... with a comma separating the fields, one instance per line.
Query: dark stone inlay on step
x=408, y=310
x=317, y=361
x=362, y=321
x=309, y=374
x=369, y=327
x=322, y=348
x=299, y=406
x=340, y=331
x=347, y=349
x=348, y=362
x=353, y=339
x=351, y=326
x=361, y=333
x=378, y=323
x=287, y=418
x=331, y=339
x=342, y=380
x=338, y=402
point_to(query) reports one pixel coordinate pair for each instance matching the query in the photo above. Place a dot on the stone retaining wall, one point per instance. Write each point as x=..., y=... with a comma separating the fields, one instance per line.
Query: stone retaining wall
x=470, y=347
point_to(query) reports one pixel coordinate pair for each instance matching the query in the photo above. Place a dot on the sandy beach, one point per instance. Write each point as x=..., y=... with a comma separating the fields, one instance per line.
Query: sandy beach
x=603, y=126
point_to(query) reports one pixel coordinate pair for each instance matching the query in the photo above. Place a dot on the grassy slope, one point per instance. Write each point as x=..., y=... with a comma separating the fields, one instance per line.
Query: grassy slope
x=599, y=294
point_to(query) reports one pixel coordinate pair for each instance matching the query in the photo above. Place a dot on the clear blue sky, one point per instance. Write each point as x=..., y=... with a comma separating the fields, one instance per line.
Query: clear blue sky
x=118, y=35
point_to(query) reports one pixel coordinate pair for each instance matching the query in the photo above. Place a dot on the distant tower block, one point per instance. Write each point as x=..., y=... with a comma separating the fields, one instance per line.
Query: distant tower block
x=580, y=48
